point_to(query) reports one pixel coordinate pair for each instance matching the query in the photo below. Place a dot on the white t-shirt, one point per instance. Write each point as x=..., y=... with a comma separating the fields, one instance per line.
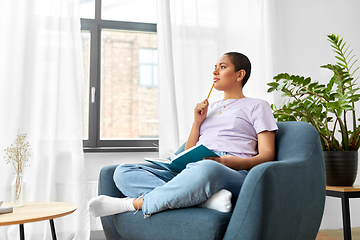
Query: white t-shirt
x=235, y=129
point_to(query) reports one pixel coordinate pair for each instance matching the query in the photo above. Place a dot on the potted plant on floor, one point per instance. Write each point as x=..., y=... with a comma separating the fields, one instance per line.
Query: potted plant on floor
x=330, y=108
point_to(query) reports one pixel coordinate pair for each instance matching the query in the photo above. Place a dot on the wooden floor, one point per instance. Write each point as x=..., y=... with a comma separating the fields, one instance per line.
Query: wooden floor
x=323, y=236
x=337, y=234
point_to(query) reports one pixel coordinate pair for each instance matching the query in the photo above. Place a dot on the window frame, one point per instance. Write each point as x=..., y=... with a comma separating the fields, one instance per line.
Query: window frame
x=94, y=143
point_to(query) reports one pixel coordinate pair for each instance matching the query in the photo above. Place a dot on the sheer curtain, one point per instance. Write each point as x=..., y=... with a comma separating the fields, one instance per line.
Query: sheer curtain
x=41, y=94
x=192, y=35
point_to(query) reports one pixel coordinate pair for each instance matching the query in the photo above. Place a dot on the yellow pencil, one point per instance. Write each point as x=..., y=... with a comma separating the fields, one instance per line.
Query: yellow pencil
x=210, y=92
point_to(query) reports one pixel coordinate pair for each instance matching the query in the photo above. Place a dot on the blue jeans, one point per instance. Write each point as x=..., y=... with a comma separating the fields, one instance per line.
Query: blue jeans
x=162, y=189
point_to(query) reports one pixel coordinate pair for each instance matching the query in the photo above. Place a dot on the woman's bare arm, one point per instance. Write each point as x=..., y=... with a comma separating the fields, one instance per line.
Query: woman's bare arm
x=266, y=149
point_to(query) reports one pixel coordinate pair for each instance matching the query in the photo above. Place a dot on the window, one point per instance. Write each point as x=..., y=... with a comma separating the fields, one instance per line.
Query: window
x=120, y=68
x=148, y=67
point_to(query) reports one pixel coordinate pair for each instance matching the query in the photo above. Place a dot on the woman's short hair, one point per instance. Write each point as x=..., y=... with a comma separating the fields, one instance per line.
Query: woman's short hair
x=240, y=61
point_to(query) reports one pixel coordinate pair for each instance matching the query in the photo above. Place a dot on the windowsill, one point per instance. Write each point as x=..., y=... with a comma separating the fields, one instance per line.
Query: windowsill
x=120, y=149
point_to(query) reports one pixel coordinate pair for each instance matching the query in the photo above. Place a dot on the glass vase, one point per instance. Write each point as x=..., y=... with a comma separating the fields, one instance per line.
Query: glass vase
x=18, y=190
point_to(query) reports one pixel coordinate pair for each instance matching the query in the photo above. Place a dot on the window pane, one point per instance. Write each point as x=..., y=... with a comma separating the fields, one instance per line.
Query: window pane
x=85, y=35
x=127, y=110
x=129, y=10
x=87, y=9
x=147, y=67
x=146, y=75
x=145, y=55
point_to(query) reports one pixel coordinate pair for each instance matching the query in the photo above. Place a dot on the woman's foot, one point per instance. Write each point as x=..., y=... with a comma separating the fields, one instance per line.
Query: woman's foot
x=102, y=205
x=220, y=201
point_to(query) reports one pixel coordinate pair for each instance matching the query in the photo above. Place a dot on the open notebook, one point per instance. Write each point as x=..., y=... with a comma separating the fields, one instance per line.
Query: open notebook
x=179, y=162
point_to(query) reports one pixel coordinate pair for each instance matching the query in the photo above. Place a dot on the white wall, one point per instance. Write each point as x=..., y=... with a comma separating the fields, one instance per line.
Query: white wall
x=301, y=29
x=301, y=47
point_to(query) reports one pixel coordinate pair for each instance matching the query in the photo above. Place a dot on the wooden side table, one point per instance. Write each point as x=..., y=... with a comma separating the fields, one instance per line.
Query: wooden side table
x=344, y=193
x=37, y=211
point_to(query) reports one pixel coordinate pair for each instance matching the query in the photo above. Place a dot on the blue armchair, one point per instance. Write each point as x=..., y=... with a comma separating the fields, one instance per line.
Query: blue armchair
x=282, y=199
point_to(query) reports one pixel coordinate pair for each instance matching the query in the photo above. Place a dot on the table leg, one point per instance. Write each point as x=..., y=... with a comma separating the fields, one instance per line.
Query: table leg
x=52, y=226
x=346, y=218
x=22, y=235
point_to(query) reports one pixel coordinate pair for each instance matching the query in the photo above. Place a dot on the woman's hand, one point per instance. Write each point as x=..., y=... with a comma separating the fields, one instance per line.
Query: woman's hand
x=229, y=160
x=200, y=111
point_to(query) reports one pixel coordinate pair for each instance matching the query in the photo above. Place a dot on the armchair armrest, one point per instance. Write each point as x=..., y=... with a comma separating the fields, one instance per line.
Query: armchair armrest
x=106, y=184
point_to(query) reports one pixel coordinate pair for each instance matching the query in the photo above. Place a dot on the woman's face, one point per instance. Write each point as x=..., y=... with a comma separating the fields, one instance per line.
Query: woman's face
x=225, y=76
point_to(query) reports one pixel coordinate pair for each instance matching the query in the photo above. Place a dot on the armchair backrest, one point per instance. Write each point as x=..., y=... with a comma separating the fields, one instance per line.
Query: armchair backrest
x=295, y=140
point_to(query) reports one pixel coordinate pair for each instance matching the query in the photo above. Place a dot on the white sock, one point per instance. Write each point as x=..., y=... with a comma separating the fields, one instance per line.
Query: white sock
x=220, y=201
x=102, y=205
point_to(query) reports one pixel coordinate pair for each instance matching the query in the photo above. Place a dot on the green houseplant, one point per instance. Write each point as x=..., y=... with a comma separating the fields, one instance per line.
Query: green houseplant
x=330, y=108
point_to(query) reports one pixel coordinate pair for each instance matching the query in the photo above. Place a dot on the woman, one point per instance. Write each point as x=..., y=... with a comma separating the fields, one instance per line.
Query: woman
x=241, y=130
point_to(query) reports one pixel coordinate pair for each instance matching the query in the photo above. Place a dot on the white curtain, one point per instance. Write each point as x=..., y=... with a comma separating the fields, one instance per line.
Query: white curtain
x=192, y=36
x=41, y=94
